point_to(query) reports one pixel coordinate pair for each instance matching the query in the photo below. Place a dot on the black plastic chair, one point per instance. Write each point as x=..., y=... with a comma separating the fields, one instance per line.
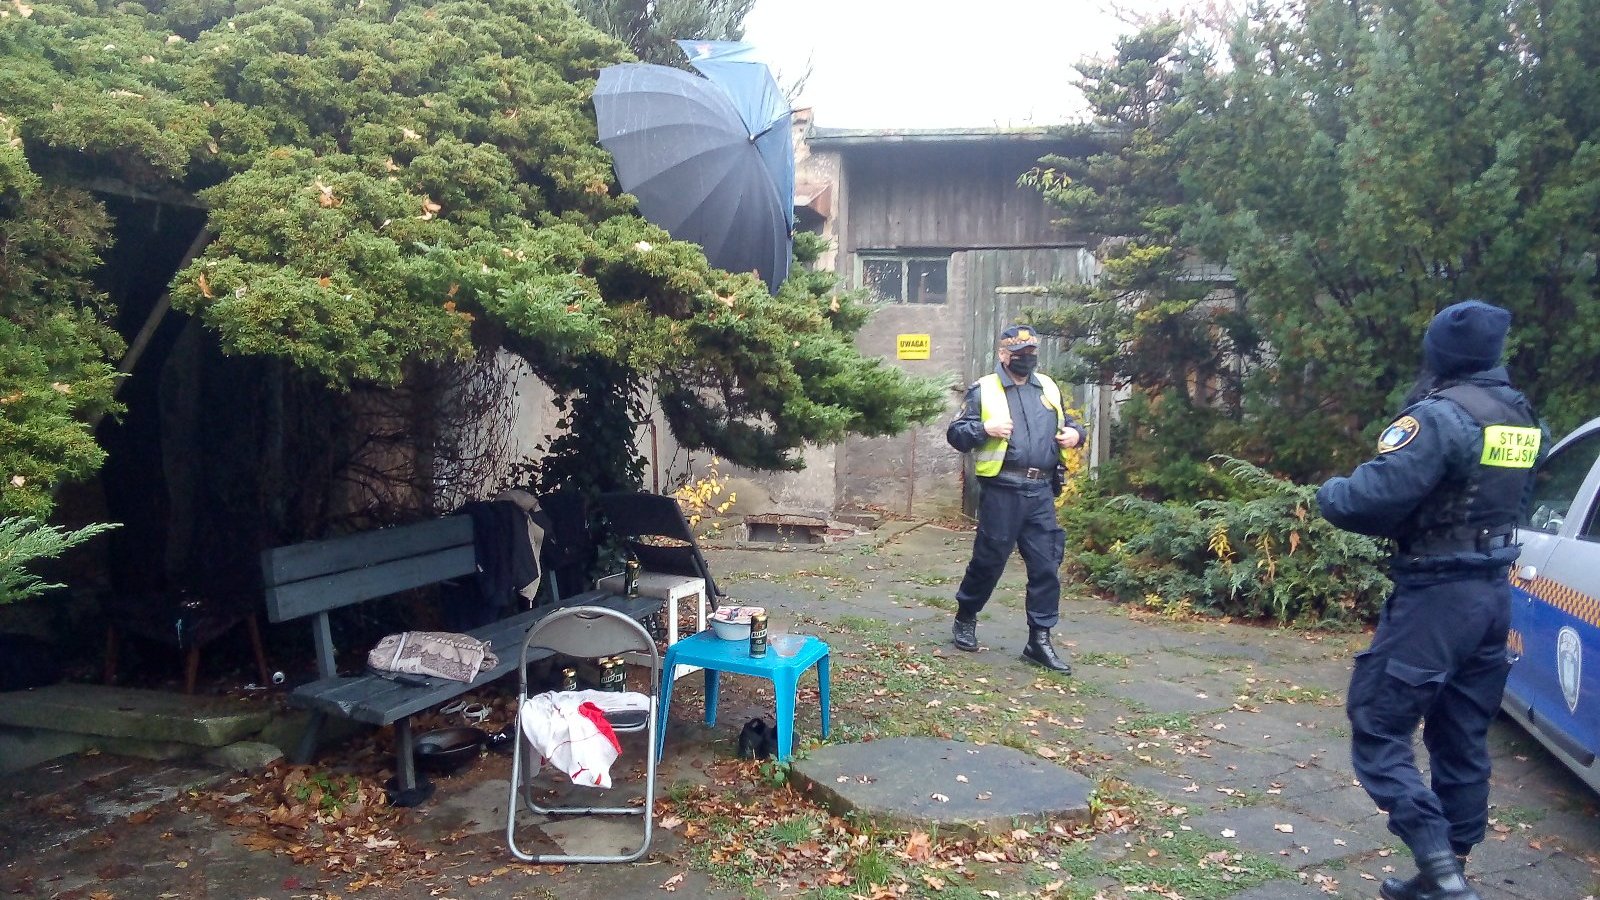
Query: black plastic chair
x=568, y=555
x=638, y=517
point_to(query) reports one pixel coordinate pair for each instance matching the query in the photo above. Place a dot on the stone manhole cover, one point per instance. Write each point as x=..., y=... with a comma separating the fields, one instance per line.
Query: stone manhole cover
x=958, y=787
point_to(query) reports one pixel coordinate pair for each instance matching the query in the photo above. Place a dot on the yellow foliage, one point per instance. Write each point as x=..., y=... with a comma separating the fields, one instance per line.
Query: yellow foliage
x=702, y=496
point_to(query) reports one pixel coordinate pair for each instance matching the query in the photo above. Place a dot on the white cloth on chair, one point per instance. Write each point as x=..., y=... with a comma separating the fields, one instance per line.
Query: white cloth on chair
x=569, y=730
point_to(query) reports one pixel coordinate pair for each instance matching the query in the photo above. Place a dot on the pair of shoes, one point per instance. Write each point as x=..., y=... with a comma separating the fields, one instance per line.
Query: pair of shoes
x=965, y=634
x=758, y=740
x=1041, y=652
x=1440, y=876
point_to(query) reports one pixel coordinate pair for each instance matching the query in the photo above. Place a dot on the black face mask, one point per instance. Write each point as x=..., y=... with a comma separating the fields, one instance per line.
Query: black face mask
x=1023, y=366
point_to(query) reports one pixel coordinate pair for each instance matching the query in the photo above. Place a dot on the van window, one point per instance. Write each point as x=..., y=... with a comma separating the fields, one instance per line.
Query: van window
x=1556, y=485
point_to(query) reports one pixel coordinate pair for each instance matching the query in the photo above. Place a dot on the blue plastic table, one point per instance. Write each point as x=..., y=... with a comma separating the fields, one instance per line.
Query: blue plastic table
x=716, y=655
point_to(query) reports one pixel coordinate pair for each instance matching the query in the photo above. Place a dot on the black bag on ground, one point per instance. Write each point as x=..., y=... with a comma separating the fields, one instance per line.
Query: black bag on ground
x=758, y=739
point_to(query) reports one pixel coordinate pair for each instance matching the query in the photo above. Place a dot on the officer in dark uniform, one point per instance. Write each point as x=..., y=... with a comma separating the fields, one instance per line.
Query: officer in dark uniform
x=1016, y=426
x=1450, y=481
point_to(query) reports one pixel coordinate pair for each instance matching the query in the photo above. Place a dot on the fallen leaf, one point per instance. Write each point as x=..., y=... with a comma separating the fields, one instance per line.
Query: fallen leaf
x=670, y=822
x=1285, y=828
x=939, y=798
x=671, y=884
x=1229, y=832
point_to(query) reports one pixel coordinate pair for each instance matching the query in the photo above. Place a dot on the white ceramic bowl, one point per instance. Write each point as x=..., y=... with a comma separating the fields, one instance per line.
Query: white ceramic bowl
x=731, y=631
x=732, y=623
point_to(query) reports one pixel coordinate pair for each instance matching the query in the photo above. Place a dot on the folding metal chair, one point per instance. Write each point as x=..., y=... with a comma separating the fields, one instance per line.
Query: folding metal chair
x=586, y=632
x=635, y=516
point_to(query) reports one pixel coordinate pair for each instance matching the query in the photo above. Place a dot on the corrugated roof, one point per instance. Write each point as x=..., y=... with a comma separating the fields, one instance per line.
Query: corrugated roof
x=854, y=137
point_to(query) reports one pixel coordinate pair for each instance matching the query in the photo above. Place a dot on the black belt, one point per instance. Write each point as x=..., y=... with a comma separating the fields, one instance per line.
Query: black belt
x=1029, y=472
x=1459, y=540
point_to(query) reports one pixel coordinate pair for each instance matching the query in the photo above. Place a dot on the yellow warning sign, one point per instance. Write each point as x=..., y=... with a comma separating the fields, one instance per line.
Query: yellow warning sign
x=912, y=346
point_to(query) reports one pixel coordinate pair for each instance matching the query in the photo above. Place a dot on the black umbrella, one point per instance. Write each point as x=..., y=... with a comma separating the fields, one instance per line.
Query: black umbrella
x=681, y=147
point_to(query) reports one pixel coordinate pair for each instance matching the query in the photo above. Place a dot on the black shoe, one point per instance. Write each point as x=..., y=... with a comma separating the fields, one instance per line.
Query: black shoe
x=1439, y=877
x=758, y=740
x=1041, y=652
x=965, y=634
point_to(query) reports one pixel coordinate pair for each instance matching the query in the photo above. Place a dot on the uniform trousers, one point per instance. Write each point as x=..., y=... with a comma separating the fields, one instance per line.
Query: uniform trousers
x=1438, y=658
x=1016, y=516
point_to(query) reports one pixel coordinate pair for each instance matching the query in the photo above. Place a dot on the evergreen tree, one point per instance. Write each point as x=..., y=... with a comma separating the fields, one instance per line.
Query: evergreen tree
x=1151, y=323
x=55, y=334
x=649, y=27
x=397, y=182
x=1362, y=166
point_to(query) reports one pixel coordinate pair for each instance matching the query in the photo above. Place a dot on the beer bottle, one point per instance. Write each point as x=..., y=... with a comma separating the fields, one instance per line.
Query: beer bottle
x=758, y=635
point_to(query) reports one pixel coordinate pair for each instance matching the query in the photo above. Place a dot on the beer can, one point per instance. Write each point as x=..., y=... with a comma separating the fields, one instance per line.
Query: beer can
x=569, y=679
x=758, y=634
x=619, y=674
x=630, y=581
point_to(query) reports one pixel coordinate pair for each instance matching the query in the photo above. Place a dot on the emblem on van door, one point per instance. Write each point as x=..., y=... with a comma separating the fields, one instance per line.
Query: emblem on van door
x=1569, y=665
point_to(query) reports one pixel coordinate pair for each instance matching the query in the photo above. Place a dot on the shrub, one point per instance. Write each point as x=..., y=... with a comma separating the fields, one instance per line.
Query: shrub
x=25, y=539
x=1261, y=552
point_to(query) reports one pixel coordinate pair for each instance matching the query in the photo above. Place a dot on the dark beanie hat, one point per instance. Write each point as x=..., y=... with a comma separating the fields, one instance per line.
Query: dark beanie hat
x=1465, y=337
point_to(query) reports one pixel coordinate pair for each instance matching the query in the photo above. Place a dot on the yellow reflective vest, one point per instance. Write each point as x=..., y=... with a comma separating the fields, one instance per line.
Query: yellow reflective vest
x=992, y=406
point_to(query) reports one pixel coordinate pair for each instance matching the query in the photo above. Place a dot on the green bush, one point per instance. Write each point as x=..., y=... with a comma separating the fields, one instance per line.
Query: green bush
x=24, y=540
x=1261, y=552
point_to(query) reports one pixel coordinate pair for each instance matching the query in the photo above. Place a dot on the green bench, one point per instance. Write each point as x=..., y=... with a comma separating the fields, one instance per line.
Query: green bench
x=314, y=578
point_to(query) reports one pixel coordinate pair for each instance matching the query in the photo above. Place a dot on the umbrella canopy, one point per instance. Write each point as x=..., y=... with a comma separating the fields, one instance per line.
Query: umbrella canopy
x=732, y=66
x=682, y=148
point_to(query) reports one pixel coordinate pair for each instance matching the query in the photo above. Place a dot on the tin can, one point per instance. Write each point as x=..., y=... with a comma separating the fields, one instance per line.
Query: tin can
x=758, y=635
x=612, y=674
x=619, y=674
x=569, y=679
x=630, y=581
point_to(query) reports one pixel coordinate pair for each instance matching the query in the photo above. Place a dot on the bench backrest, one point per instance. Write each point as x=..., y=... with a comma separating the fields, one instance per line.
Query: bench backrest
x=312, y=578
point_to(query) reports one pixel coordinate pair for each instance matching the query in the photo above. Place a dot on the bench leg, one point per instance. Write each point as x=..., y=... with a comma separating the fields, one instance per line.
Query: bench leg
x=111, y=654
x=405, y=789
x=191, y=668
x=261, y=654
x=308, y=740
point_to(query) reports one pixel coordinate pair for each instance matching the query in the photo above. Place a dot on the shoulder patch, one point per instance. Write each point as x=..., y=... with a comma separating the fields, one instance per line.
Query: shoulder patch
x=1398, y=434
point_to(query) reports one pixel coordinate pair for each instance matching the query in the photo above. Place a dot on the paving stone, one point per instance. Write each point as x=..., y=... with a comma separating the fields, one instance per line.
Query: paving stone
x=986, y=789
x=1347, y=806
x=1255, y=828
x=245, y=756
x=1165, y=697
x=1283, y=890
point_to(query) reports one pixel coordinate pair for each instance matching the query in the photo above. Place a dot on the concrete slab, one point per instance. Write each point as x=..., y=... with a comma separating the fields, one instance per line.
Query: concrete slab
x=1307, y=842
x=954, y=786
x=1283, y=890
x=142, y=715
x=1165, y=697
x=80, y=794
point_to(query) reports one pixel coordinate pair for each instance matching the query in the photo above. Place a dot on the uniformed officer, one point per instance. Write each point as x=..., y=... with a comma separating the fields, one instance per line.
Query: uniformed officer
x=1450, y=481
x=1015, y=424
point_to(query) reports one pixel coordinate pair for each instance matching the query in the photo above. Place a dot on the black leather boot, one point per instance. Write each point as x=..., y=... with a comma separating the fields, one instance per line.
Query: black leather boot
x=1041, y=652
x=1439, y=877
x=965, y=634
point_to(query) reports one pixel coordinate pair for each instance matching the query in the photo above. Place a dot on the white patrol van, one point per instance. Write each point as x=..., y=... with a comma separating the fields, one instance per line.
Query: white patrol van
x=1554, y=688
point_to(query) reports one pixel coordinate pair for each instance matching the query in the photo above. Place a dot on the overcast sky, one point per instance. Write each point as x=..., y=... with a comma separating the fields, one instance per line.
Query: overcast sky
x=897, y=64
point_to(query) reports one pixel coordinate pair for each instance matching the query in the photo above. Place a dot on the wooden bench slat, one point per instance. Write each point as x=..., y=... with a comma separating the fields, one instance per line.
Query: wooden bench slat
x=302, y=598
x=380, y=701
x=313, y=559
